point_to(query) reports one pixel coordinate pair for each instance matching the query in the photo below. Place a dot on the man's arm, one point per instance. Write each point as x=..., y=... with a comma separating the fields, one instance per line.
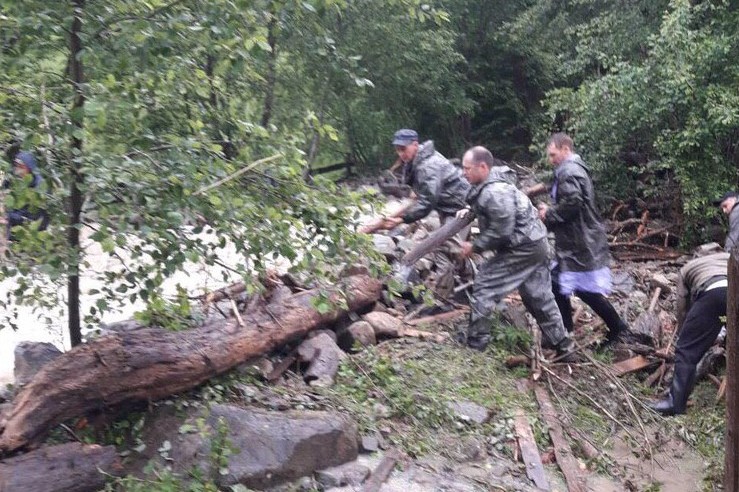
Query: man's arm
x=429, y=187
x=732, y=239
x=499, y=209
x=569, y=202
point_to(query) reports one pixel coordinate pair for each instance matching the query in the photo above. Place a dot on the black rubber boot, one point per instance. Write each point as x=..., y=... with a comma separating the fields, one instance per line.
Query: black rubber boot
x=682, y=384
x=478, y=334
x=613, y=337
x=566, y=351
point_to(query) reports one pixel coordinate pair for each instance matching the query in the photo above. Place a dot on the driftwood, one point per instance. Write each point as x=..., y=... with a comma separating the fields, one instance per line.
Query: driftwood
x=439, y=317
x=517, y=360
x=656, y=375
x=631, y=365
x=153, y=363
x=710, y=361
x=436, y=239
x=71, y=467
x=283, y=366
x=383, y=470
x=565, y=459
x=529, y=452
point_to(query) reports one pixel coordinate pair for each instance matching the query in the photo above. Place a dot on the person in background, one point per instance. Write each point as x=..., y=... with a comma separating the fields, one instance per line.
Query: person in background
x=728, y=204
x=26, y=170
x=437, y=184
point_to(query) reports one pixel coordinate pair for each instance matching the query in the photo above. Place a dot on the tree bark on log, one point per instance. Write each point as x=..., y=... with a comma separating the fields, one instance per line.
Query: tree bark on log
x=152, y=363
x=437, y=238
x=71, y=467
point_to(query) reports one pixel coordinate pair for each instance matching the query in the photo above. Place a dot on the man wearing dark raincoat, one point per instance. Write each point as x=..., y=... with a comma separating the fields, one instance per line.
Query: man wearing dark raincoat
x=581, y=246
x=438, y=184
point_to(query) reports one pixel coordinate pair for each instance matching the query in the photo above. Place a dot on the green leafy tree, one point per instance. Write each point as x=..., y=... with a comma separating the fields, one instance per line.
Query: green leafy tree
x=147, y=115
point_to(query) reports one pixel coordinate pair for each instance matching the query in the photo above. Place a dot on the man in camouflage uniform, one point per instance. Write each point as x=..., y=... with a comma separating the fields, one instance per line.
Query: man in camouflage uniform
x=510, y=227
x=438, y=184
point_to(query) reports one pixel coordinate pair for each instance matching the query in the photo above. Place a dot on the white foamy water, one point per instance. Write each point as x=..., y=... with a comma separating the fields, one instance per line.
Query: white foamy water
x=195, y=278
x=34, y=325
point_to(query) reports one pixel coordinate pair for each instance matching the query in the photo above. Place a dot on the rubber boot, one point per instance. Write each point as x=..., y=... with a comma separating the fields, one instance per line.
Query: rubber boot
x=566, y=351
x=683, y=380
x=478, y=334
x=613, y=337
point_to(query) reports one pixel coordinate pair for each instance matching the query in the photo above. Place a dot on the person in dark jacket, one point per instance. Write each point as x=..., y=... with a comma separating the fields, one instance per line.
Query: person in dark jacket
x=728, y=204
x=581, y=245
x=438, y=184
x=26, y=169
x=510, y=227
x=701, y=305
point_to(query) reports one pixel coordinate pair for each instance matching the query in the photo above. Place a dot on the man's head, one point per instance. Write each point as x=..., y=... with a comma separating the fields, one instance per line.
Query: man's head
x=24, y=164
x=559, y=148
x=727, y=201
x=476, y=164
x=406, y=144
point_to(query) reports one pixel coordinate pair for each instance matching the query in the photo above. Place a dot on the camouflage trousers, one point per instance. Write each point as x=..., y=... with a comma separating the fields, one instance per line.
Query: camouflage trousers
x=525, y=268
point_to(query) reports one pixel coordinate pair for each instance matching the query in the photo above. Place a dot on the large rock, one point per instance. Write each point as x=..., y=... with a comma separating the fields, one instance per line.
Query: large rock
x=352, y=473
x=357, y=335
x=323, y=357
x=384, y=324
x=468, y=411
x=264, y=448
x=385, y=246
x=30, y=357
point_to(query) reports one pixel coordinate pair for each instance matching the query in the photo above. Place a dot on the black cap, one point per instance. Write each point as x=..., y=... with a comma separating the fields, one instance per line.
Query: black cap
x=727, y=195
x=405, y=136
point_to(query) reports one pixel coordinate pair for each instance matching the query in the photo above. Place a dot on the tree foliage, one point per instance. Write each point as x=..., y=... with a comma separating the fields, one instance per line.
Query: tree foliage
x=676, y=109
x=168, y=103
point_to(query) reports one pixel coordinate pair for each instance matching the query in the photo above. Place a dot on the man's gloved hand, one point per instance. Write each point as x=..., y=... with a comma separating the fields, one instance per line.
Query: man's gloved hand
x=463, y=212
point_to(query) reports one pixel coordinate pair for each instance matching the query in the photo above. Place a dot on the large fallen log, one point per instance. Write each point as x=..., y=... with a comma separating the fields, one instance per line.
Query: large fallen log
x=71, y=467
x=151, y=363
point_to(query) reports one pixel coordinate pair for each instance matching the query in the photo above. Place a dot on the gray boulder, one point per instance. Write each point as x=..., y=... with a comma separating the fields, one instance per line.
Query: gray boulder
x=384, y=324
x=30, y=357
x=352, y=473
x=359, y=334
x=257, y=448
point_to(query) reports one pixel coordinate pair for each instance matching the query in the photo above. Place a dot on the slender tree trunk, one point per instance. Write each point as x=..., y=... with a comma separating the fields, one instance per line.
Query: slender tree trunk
x=77, y=179
x=269, y=97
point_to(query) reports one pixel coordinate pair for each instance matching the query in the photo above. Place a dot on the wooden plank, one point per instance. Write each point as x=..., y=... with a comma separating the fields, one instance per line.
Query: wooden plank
x=630, y=365
x=565, y=459
x=529, y=452
x=731, y=468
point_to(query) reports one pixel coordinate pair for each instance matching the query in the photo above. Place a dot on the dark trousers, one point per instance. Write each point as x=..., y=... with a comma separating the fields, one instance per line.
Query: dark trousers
x=597, y=302
x=701, y=326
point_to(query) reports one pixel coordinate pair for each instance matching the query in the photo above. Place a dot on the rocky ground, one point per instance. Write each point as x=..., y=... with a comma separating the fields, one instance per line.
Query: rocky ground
x=385, y=401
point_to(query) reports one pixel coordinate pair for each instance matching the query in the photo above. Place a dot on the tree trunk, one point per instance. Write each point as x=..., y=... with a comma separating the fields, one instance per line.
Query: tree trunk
x=269, y=97
x=71, y=467
x=437, y=238
x=76, y=177
x=152, y=363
